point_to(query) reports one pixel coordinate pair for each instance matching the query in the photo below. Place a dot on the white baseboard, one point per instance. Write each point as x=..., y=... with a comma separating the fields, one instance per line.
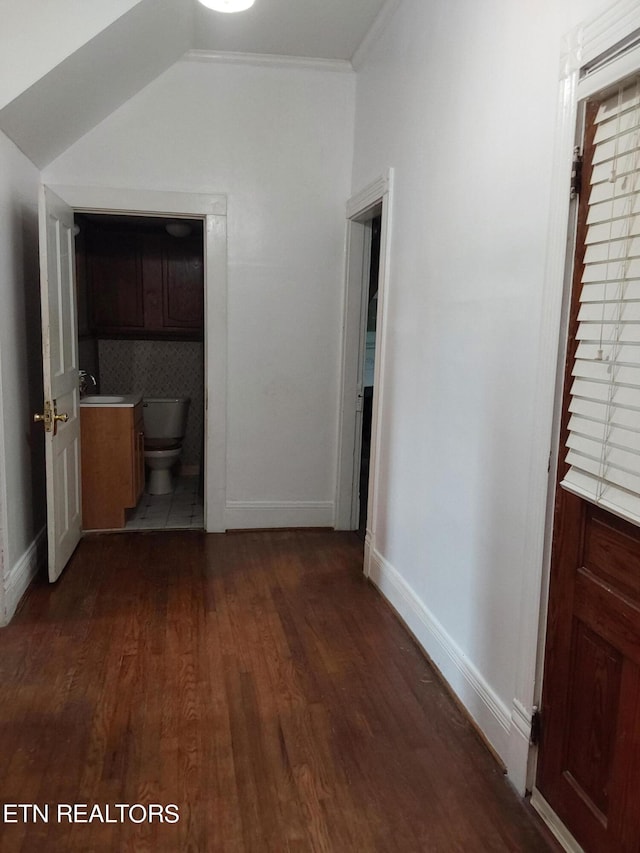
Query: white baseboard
x=21, y=574
x=564, y=837
x=270, y=514
x=485, y=707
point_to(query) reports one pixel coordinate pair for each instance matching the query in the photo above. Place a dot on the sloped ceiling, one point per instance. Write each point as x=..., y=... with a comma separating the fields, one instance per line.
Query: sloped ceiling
x=83, y=89
x=99, y=77
x=37, y=35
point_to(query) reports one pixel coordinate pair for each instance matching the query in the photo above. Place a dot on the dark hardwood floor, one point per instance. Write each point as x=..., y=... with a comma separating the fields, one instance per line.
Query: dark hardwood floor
x=256, y=681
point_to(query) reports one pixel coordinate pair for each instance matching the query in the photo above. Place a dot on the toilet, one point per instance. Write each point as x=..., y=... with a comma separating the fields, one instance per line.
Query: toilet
x=165, y=423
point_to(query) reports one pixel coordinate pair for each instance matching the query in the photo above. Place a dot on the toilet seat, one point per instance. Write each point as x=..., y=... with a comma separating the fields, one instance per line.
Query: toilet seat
x=161, y=444
x=165, y=453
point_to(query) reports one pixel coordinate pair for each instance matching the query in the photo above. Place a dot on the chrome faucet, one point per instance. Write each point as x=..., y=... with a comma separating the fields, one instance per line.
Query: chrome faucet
x=85, y=377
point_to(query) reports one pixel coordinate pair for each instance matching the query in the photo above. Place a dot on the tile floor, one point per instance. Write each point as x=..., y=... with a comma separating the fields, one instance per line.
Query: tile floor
x=180, y=510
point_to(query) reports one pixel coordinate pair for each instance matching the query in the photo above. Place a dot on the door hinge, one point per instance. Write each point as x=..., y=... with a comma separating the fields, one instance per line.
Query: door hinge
x=576, y=173
x=536, y=727
x=360, y=401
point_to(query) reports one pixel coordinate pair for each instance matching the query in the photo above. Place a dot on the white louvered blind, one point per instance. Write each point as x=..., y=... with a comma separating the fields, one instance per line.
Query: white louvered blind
x=604, y=427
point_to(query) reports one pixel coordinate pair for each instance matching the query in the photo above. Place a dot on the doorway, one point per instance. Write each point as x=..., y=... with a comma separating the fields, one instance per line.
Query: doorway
x=367, y=361
x=588, y=767
x=140, y=300
x=369, y=215
x=211, y=209
x=589, y=762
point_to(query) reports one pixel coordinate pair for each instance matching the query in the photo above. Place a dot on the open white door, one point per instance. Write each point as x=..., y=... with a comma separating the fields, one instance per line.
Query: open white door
x=60, y=372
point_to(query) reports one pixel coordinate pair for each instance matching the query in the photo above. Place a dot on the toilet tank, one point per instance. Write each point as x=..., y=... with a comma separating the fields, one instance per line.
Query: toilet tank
x=165, y=417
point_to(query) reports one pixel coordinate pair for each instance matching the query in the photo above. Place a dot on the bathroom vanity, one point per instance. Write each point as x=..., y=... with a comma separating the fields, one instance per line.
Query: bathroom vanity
x=112, y=448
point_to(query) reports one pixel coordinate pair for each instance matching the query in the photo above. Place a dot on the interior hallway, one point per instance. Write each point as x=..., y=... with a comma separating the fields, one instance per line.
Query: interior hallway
x=256, y=680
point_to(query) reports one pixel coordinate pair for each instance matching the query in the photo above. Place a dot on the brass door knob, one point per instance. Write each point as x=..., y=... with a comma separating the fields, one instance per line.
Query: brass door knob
x=50, y=417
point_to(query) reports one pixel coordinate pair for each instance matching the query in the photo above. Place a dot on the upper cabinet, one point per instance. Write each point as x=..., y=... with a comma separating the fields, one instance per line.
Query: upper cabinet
x=142, y=282
x=115, y=281
x=183, y=294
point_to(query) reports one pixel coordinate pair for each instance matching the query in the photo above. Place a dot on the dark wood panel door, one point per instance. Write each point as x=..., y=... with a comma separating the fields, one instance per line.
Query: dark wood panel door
x=589, y=760
x=589, y=766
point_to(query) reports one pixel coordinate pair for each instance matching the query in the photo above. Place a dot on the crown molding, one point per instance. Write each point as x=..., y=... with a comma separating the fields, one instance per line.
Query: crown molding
x=376, y=29
x=223, y=57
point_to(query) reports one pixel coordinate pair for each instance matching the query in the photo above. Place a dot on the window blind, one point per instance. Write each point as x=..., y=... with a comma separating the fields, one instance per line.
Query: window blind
x=603, y=446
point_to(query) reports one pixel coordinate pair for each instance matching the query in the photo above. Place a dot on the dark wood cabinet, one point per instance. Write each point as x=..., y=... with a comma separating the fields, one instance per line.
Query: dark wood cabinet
x=183, y=291
x=115, y=281
x=144, y=283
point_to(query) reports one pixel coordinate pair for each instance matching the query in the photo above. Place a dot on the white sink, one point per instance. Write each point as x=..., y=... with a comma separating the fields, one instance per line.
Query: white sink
x=111, y=400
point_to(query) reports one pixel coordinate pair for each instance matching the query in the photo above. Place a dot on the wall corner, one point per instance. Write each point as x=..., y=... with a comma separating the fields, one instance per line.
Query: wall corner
x=20, y=576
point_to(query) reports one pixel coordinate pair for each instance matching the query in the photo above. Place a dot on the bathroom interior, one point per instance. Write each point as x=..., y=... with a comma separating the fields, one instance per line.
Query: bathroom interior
x=140, y=302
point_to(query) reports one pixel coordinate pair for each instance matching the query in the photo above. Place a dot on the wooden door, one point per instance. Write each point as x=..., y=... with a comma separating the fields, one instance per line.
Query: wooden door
x=589, y=760
x=60, y=372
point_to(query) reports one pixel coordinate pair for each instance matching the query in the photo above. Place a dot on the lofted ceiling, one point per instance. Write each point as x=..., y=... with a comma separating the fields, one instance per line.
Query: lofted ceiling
x=110, y=68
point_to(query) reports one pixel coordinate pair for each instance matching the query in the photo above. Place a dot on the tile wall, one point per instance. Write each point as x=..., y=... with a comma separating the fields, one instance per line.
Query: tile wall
x=159, y=369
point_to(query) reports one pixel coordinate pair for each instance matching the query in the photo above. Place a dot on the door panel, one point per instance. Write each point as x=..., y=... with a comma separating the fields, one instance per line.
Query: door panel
x=589, y=762
x=60, y=379
x=589, y=758
x=593, y=706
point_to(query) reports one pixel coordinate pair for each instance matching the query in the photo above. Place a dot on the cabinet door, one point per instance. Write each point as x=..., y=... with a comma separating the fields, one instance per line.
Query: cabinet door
x=115, y=275
x=109, y=449
x=152, y=252
x=183, y=297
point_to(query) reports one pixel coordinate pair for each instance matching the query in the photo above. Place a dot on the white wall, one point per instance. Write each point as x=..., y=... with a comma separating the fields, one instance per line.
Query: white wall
x=22, y=507
x=460, y=99
x=36, y=35
x=279, y=142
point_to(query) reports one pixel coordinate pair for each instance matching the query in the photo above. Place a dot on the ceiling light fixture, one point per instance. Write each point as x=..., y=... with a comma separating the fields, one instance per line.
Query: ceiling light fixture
x=178, y=229
x=228, y=5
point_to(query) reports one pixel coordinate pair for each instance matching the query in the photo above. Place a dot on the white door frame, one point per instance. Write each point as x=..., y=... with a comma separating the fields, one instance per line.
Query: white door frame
x=583, y=46
x=213, y=210
x=354, y=347
x=360, y=209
